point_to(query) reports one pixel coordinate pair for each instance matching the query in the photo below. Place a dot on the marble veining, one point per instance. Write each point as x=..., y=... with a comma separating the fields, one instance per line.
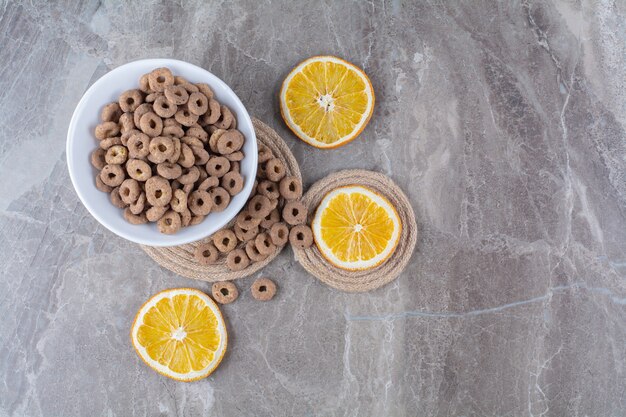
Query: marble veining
x=504, y=122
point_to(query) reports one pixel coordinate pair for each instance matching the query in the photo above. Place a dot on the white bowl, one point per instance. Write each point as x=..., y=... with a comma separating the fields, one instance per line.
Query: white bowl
x=81, y=142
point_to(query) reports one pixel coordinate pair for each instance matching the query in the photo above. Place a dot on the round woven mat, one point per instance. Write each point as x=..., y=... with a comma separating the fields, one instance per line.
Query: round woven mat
x=359, y=281
x=180, y=259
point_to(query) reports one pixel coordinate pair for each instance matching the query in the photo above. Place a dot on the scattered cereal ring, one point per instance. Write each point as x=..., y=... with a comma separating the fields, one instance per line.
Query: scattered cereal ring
x=279, y=233
x=126, y=122
x=217, y=166
x=269, y=189
x=232, y=182
x=138, y=206
x=159, y=79
x=130, y=191
x=158, y=191
x=116, y=155
x=224, y=292
x=270, y=219
x=200, y=203
x=144, y=84
x=97, y=158
x=130, y=100
x=259, y=207
x=253, y=253
x=111, y=113
x=295, y=212
x=102, y=186
x=164, y=108
x=235, y=156
x=178, y=203
x=161, y=148
x=225, y=240
x=173, y=131
x=263, y=289
x=290, y=188
x=245, y=220
x=153, y=214
x=116, y=199
x=112, y=175
x=220, y=198
x=190, y=175
x=185, y=117
x=196, y=220
x=107, y=130
x=205, y=89
x=213, y=114
x=151, y=124
x=198, y=132
x=138, y=145
x=275, y=169
x=264, y=244
x=138, y=169
x=246, y=235
x=176, y=94
x=134, y=218
x=192, y=141
x=186, y=158
x=185, y=217
x=226, y=118
x=169, y=170
x=200, y=154
x=209, y=182
x=230, y=142
x=301, y=236
x=198, y=103
x=206, y=254
x=265, y=153
x=237, y=260
x=170, y=223
x=108, y=142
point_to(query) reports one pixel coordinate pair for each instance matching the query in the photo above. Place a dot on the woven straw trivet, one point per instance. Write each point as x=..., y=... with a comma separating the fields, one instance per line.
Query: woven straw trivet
x=180, y=259
x=359, y=281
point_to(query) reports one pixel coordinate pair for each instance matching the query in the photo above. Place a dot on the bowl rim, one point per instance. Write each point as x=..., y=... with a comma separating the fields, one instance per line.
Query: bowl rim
x=171, y=240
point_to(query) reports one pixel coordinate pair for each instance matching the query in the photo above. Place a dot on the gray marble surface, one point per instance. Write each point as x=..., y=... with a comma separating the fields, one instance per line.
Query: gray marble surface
x=504, y=122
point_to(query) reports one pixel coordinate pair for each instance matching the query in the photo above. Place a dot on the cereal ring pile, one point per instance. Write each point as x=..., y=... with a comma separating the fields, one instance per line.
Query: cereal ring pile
x=273, y=215
x=169, y=153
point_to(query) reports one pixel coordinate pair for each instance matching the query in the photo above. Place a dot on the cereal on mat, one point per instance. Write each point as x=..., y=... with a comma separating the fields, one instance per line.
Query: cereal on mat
x=290, y=188
x=295, y=212
x=225, y=240
x=237, y=260
x=279, y=233
x=264, y=244
x=253, y=253
x=301, y=236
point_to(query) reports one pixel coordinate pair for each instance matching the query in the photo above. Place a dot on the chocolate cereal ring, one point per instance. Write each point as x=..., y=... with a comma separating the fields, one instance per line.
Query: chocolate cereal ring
x=224, y=292
x=130, y=100
x=164, y=108
x=178, y=203
x=198, y=103
x=246, y=221
x=138, y=145
x=269, y=189
x=112, y=175
x=270, y=219
x=129, y=191
x=151, y=98
x=206, y=254
x=265, y=153
x=116, y=155
x=185, y=117
x=215, y=136
x=213, y=113
x=186, y=158
x=252, y=252
x=116, y=199
x=140, y=111
x=225, y=240
x=263, y=289
x=200, y=154
x=191, y=141
x=290, y=188
x=170, y=223
x=200, y=203
x=138, y=206
x=176, y=94
x=295, y=212
x=108, y=142
x=188, y=188
x=126, y=122
x=220, y=198
x=102, y=186
x=151, y=124
x=138, y=169
x=205, y=89
x=111, y=113
x=279, y=233
x=158, y=191
x=127, y=135
x=235, y=156
x=264, y=244
x=159, y=79
x=185, y=217
x=245, y=235
x=275, y=169
x=153, y=214
x=97, y=158
x=226, y=118
x=190, y=88
x=301, y=236
x=198, y=132
x=173, y=131
x=107, y=130
x=144, y=84
x=202, y=176
x=134, y=218
x=237, y=260
x=259, y=207
x=217, y=166
x=190, y=175
x=196, y=220
x=161, y=148
x=209, y=182
x=169, y=170
x=232, y=182
x=234, y=166
x=230, y=142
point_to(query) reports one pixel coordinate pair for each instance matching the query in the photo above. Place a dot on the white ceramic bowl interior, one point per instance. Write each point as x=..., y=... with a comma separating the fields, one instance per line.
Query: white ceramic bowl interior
x=81, y=142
